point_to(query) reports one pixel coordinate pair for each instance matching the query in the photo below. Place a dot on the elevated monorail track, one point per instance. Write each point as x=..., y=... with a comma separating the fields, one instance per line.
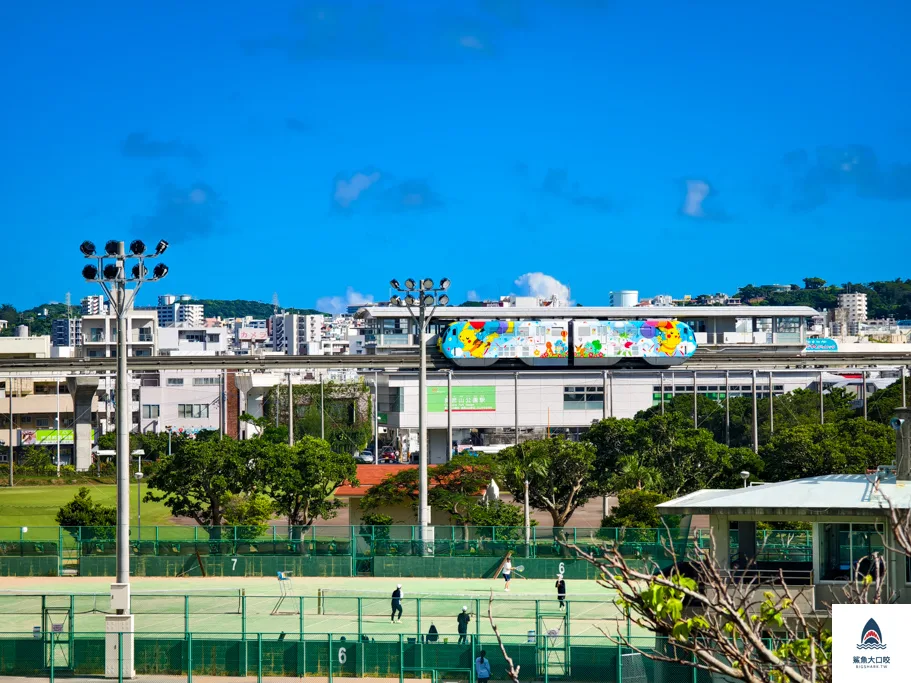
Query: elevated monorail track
x=705, y=359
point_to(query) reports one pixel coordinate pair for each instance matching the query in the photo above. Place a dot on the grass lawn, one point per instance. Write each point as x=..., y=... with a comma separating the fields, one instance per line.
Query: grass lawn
x=36, y=506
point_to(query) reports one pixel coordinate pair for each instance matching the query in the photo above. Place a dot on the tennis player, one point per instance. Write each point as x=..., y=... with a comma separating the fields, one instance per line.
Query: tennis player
x=463, y=620
x=507, y=572
x=561, y=591
x=397, y=604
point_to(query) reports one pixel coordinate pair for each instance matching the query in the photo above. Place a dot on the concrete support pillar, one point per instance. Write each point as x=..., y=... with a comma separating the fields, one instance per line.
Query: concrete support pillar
x=721, y=533
x=82, y=390
x=747, y=542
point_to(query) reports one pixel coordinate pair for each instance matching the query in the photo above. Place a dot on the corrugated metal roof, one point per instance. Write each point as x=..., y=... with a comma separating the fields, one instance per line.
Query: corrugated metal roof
x=832, y=494
x=679, y=312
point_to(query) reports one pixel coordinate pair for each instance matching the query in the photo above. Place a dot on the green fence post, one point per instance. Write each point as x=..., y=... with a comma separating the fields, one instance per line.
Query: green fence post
x=300, y=615
x=53, y=652
x=243, y=633
x=695, y=670
x=619, y=662
x=156, y=540
x=329, y=635
x=196, y=534
x=59, y=551
x=186, y=613
x=547, y=661
x=273, y=534
x=360, y=618
x=418, y=603
x=189, y=657
x=352, y=548
x=401, y=659
x=477, y=618
x=119, y=656
x=259, y=657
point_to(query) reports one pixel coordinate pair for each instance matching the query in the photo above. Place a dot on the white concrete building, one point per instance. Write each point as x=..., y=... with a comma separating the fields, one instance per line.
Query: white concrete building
x=185, y=340
x=184, y=402
x=99, y=334
x=297, y=335
x=174, y=310
x=94, y=305
x=854, y=305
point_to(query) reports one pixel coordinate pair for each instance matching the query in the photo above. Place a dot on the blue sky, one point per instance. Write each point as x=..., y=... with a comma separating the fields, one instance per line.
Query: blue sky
x=318, y=149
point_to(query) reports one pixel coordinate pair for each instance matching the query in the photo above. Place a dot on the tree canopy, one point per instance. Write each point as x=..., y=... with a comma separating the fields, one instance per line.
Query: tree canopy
x=301, y=479
x=560, y=474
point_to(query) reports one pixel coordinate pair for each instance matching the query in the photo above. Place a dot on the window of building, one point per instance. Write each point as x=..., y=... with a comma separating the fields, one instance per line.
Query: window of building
x=396, y=399
x=192, y=410
x=848, y=546
x=26, y=419
x=145, y=334
x=142, y=352
x=175, y=381
x=583, y=398
x=150, y=411
x=205, y=381
x=195, y=337
x=43, y=422
x=212, y=338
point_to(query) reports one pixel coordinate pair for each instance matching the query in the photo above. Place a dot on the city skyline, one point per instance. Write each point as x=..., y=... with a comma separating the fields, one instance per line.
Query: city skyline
x=526, y=147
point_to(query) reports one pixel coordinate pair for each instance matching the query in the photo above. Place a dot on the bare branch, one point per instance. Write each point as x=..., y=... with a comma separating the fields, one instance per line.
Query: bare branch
x=513, y=670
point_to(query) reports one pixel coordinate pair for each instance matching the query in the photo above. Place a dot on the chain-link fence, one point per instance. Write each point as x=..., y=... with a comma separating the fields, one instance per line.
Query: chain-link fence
x=167, y=656
x=337, y=610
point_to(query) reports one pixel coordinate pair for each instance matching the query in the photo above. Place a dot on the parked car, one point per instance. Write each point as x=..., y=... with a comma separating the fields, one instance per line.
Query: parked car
x=364, y=457
x=389, y=454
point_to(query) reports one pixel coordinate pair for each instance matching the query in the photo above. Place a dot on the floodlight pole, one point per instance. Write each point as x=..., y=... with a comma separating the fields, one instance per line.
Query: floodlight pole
x=424, y=295
x=114, y=285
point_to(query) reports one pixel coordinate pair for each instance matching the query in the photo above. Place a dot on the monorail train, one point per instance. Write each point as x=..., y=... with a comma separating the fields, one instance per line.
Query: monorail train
x=481, y=343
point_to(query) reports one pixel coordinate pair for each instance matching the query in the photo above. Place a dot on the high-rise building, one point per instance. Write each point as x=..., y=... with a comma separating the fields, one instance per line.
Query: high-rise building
x=94, y=305
x=174, y=310
x=854, y=305
x=297, y=335
x=66, y=332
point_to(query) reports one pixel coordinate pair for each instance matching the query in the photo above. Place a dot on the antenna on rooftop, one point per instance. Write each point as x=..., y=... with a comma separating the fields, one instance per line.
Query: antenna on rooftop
x=275, y=303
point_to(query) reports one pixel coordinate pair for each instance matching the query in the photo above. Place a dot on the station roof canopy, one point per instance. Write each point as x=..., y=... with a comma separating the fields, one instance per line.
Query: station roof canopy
x=599, y=312
x=831, y=495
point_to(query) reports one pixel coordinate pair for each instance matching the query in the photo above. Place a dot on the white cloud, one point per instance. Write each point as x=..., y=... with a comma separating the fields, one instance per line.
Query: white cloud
x=338, y=304
x=348, y=191
x=472, y=295
x=696, y=192
x=542, y=285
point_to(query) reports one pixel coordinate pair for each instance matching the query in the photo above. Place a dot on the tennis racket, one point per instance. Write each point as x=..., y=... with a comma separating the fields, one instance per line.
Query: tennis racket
x=520, y=568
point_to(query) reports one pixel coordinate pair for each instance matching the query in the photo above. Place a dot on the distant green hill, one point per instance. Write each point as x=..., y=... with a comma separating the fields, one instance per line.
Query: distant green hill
x=40, y=324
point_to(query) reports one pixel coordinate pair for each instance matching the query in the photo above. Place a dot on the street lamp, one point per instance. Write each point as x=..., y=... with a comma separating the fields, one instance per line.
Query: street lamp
x=168, y=427
x=138, y=475
x=746, y=477
x=419, y=297
x=110, y=271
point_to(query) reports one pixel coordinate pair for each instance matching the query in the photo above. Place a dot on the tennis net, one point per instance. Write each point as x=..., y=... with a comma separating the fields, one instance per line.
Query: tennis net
x=345, y=602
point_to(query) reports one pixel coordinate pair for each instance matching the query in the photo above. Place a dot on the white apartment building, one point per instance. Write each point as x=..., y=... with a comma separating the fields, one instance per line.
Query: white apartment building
x=94, y=305
x=174, y=310
x=66, y=332
x=182, y=402
x=188, y=340
x=297, y=335
x=99, y=334
x=854, y=306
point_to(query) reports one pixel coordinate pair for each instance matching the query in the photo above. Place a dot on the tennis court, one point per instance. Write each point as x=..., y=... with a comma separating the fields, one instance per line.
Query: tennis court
x=350, y=606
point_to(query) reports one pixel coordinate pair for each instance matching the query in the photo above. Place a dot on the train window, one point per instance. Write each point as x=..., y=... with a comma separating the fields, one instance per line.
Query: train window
x=585, y=331
x=539, y=330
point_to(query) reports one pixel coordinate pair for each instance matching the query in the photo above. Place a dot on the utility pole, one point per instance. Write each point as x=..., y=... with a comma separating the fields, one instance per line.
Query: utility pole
x=290, y=412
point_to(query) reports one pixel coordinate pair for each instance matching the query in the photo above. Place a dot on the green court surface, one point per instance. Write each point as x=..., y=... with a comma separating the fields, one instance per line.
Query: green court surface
x=349, y=606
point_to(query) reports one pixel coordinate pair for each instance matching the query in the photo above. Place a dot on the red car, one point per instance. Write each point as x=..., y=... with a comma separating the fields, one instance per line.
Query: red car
x=389, y=455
